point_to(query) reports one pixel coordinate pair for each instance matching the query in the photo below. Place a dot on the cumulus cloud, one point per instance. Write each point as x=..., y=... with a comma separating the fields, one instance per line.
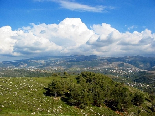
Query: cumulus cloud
x=111, y=42
x=72, y=36
x=6, y=42
x=52, y=39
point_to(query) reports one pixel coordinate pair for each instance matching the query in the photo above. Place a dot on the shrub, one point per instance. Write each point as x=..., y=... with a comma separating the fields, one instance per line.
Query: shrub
x=138, y=99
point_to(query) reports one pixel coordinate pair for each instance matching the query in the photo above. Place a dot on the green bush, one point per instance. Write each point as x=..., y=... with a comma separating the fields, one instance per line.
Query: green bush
x=93, y=89
x=138, y=99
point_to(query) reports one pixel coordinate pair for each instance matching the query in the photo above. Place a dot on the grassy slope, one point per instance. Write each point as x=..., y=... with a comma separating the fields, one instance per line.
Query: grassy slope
x=24, y=97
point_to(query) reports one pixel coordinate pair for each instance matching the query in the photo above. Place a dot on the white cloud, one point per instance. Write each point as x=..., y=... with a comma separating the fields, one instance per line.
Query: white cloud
x=71, y=36
x=81, y=7
x=104, y=35
x=132, y=27
x=72, y=5
x=52, y=39
x=6, y=42
x=28, y=43
x=110, y=42
x=70, y=32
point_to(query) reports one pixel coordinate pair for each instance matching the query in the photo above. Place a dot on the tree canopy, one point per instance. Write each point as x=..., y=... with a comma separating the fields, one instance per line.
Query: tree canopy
x=94, y=89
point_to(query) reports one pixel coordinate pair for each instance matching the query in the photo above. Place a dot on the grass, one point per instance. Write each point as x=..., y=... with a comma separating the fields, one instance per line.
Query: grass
x=23, y=96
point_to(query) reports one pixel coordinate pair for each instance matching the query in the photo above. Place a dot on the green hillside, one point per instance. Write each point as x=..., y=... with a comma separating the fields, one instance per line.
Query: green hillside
x=85, y=94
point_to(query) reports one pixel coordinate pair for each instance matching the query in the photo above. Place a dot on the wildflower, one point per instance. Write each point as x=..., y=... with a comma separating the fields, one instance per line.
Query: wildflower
x=33, y=113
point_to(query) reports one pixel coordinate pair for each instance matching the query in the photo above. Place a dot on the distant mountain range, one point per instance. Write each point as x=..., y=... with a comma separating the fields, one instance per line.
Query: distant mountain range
x=81, y=61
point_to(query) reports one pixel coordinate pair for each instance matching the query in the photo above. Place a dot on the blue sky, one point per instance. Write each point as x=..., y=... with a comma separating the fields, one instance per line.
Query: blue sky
x=102, y=27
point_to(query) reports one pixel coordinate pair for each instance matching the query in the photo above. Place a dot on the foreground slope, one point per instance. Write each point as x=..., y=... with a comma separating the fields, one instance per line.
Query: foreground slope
x=26, y=96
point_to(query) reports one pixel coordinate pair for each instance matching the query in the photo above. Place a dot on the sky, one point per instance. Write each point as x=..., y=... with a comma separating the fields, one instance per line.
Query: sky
x=109, y=28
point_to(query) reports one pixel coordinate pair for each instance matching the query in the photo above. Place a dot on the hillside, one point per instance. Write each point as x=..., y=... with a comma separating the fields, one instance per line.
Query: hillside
x=24, y=96
x=135, y=71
